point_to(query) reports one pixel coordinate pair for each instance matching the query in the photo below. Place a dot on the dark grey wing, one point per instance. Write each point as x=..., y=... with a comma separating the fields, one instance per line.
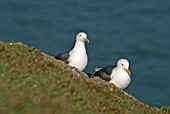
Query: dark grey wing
x=104, y=73
x=108, y=69
x=63, y=57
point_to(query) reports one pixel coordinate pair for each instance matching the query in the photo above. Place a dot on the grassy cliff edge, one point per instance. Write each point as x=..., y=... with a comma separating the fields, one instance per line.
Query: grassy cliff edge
x=32, y=82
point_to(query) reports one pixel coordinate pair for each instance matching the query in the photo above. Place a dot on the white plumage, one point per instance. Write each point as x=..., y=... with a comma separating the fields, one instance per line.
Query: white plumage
x=121, y=74
x=77, y=57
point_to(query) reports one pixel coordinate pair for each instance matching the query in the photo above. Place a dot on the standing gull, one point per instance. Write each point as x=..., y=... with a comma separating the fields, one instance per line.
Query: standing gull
x=118, y=75
x=77, y=57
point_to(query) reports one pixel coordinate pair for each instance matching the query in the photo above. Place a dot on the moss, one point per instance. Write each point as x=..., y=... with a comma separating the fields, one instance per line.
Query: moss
x=33, y=82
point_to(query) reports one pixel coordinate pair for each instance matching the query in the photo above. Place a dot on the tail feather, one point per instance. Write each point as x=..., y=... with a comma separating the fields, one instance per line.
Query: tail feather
x=98, y=68
x=90, y=75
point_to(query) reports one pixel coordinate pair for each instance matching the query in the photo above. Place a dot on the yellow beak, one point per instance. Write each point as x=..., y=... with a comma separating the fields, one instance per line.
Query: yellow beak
x=128, y=71
x=86, y=40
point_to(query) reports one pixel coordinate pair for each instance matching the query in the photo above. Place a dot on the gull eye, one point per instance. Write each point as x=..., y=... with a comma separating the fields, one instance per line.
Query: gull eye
x=122, y=65
x=80, y=34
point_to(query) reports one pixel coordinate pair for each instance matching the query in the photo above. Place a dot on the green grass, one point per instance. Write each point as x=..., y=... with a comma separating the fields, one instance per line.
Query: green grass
x=32, y=82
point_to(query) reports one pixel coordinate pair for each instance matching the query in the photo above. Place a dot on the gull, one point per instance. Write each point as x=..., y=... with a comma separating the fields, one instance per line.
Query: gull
x=76, y=57
x=119, y=75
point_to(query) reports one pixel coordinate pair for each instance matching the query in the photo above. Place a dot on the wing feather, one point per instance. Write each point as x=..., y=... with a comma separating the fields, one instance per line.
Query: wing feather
x=63, y=57
x=104, y=73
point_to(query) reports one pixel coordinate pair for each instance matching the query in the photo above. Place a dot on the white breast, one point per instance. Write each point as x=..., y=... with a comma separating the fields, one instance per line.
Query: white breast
x=78, y=57
x=79, y=61
x=121, y=79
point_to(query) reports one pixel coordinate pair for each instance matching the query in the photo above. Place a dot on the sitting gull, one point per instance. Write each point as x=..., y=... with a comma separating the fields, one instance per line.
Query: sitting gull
x=77, y=57
x=118, y=75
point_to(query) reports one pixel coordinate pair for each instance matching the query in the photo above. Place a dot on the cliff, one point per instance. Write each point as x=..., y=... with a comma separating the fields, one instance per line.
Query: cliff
x=32, y=82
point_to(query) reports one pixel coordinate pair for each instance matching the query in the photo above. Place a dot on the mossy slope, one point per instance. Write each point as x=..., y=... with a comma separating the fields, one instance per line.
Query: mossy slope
x=32, y=82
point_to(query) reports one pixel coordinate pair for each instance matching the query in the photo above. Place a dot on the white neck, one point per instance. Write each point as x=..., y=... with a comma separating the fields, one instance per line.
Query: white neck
x=78, y=56
x=79, y=45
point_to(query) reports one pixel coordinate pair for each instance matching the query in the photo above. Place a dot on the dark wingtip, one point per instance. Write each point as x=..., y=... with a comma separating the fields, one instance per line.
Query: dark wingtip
x=89, y=75
x=55, y=56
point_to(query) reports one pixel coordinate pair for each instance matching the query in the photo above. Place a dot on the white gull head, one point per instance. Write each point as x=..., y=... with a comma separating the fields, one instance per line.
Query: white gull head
x=124, y=64
x=82, y=37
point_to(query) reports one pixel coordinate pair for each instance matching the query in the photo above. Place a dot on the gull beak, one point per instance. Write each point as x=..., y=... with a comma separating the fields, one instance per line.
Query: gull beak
x=86, y=40
x=128, y=71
